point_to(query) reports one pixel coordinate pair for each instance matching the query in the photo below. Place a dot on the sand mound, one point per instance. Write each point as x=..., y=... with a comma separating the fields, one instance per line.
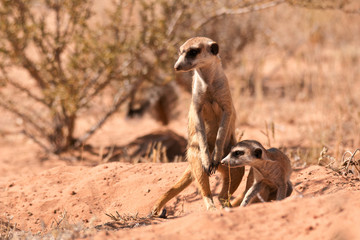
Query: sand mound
x=327, y=207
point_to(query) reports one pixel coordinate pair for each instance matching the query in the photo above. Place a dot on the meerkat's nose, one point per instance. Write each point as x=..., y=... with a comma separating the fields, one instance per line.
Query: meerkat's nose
x=224, y=161
x=178, y=64
x=177, y=67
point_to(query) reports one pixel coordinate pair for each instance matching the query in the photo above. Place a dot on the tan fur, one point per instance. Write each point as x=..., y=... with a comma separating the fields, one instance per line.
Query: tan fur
x=271, y=169
x=211, y=123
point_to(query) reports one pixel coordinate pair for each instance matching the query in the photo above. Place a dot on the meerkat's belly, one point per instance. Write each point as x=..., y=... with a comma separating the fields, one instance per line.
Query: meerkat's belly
x=212, y=115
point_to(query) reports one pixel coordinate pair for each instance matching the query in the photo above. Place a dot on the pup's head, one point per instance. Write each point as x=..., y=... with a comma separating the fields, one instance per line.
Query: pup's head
x=195, y=53
x=246, y=152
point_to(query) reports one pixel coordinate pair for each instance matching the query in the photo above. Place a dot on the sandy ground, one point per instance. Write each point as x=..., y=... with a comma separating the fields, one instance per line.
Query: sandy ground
x=51, y=198
x=56, y=199
x=37, y=195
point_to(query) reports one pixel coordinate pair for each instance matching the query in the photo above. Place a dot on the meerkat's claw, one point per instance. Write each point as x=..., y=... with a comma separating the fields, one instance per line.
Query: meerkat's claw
x=213, y=167
x=155, y=214
x=207, y=170
x=163, y=214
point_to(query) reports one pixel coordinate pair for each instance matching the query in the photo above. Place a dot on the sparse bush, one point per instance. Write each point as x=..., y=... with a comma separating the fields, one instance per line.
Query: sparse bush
x=68, y=61
x=58, y=58
x=68, y=57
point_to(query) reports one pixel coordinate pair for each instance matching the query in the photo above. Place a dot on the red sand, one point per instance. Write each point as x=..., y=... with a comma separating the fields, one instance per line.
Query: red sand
x=328, y=209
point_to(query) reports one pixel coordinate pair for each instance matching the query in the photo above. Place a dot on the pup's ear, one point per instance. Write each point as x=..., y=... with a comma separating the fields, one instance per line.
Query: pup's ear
x=214, y=48
x=258, y=153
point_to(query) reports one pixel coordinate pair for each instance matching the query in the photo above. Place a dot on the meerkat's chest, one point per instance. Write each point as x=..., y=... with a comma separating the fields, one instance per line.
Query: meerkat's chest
x=211, y=112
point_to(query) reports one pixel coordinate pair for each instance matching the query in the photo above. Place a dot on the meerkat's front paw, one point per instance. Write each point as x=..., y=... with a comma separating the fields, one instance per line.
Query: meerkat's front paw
x=210, y=168
x=207, y=169
x=213, y=167
x=214, y=164
x=206, y=164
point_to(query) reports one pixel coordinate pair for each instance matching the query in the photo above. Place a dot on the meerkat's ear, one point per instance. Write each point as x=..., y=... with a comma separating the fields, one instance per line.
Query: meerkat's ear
x=214, y=48
x=258, y=153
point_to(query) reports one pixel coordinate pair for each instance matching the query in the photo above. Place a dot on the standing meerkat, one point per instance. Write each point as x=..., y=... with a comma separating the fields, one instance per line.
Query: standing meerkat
x=271, y=167
x=211, y=123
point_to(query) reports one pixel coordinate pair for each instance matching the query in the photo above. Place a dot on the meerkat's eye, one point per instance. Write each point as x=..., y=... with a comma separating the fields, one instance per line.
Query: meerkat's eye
x=193, y=52
x=258, y=153
x=238, y=153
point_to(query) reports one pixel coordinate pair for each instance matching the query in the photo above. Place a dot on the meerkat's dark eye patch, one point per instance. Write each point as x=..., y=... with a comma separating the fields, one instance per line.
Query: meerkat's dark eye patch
x=237, y=153
x=193, y=52
x=258, y=153
x=214, y=48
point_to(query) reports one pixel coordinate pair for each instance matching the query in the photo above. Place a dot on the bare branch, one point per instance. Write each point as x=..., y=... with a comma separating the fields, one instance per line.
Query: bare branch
x=122, y=95
x=323, y=5
x=19, y=52
x=225, y=11
x=19, y=45
x=173, y=22
x=36, y=140
x=9, y=106
x=87, y=97
x=27, y=91
x=59, y=44
x=97, y=90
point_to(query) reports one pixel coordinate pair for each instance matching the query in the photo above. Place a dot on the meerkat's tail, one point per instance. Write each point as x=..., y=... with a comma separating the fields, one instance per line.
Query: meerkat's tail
x=183, y=182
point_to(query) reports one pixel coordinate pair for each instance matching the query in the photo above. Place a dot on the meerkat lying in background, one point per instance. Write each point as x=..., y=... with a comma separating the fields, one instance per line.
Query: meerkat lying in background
x=271, y=167
x=211, y=123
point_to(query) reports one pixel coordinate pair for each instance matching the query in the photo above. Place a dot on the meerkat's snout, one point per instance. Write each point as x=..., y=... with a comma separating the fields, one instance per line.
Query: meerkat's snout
x=230, y=161
x=225, y=160
x=187, y=61
x=178, y=64
x=234, y=158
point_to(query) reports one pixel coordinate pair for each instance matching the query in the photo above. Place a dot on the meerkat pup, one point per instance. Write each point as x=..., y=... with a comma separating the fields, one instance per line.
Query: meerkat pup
x=271, y=167
x=211, y=123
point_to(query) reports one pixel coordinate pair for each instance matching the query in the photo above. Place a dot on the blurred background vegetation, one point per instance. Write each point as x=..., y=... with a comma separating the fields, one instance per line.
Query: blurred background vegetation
x=292, y=65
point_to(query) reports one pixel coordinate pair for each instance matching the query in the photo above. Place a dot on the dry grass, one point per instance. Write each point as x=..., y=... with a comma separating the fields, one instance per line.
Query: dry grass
x=301, y=81
x=62, y=228
x=126, y=221
x=348, y=165
x=7, y=228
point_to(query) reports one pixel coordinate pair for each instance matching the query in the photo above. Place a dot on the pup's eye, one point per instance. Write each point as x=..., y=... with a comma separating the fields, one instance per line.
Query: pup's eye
x=193, y=52
x=238, y=153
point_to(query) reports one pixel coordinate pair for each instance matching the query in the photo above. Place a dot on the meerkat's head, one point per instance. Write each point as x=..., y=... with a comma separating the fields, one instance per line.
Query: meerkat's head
x=195, y=53
x=246, y=152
